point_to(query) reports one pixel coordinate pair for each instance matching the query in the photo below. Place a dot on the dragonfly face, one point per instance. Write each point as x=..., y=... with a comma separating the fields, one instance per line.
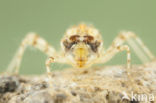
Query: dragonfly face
x=81, y=45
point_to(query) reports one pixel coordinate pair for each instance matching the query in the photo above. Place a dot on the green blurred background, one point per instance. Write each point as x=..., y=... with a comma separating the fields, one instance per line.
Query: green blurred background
x=50, y=19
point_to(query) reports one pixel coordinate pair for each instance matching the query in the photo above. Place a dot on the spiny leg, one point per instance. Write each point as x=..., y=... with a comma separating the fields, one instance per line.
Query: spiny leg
x=47, y=63
x=113, y=50
x=32, y=39
x=119, y=41
x=50, y=60
x=137, y=45
x=127, y=49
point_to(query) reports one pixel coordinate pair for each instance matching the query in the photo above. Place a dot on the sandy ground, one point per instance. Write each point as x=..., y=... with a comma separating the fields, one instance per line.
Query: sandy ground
x=95, y=85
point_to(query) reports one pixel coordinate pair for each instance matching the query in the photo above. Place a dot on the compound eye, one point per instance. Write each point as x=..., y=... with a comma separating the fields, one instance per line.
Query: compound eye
x=68, y=45
x=94, y=46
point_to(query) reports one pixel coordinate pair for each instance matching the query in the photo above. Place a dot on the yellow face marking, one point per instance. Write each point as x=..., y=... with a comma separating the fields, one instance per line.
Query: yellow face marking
x=81, y=53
